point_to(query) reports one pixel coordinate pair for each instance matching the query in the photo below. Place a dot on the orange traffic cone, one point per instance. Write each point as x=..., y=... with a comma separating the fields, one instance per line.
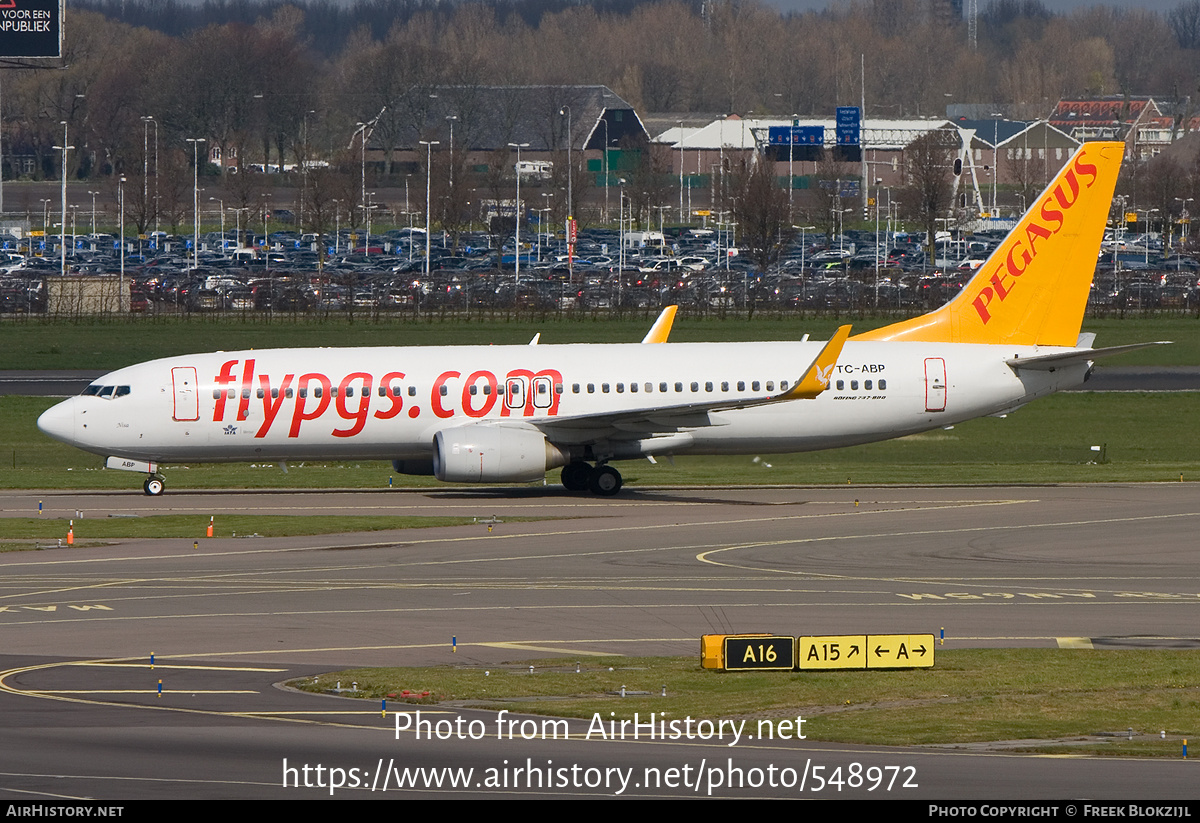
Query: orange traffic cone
x=210, y=527
x=71, y=534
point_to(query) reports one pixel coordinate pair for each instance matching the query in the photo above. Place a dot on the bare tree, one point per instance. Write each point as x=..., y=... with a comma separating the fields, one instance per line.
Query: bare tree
x=927, y=197
x=760, y=209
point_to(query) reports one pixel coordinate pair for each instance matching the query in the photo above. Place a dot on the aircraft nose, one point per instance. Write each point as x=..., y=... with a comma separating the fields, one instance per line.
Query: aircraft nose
x=59, y=421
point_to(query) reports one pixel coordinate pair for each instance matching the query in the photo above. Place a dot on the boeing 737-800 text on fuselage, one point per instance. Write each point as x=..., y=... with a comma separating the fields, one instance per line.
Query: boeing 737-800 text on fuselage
x=508, y=414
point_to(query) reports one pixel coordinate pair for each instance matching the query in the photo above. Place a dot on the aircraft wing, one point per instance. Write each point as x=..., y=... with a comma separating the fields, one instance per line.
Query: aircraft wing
x=653, y=420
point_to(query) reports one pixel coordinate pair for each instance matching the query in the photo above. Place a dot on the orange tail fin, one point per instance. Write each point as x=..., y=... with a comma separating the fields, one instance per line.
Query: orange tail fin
x=1033, y=289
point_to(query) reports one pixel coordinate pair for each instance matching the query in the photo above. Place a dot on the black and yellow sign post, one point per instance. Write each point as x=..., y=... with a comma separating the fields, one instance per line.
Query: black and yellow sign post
x=866, y=651
x=760, y=653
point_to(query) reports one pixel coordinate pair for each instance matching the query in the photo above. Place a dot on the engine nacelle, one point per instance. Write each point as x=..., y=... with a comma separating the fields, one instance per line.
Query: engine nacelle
x=493, y=454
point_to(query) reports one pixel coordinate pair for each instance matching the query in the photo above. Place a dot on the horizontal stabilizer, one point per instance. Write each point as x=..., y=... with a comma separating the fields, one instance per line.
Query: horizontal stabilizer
x=1049, y=362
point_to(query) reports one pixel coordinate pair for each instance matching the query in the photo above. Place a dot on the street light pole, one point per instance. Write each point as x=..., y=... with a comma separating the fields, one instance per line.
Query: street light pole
x=517, y=241
x=570, y=199
x=428, y=144
x=63, y=235
x=605, y=122
x=681, y=217
x=195, y=141
x=121, y=218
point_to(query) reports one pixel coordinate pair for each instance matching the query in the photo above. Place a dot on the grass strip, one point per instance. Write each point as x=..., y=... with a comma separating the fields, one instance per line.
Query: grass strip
x=225, y=525
x=1087, y=699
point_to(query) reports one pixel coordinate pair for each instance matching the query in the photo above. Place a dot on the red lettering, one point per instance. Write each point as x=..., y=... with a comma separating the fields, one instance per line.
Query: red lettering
x=298, y=415
x=435, y=395
x=1051, y=215
x=364, y=402
x=1025, y=258
x=530, y=381
x=1032, y=232
x=272, y=401
x=223, y=379
x=1086, y=168
x=489, y=394
x=998, y=283
x=247, y=382
x=981, y=302
x=1061, y=197
x=392, y=393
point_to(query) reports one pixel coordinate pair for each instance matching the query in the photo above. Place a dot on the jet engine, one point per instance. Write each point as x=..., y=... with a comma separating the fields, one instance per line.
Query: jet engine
x=494, y=454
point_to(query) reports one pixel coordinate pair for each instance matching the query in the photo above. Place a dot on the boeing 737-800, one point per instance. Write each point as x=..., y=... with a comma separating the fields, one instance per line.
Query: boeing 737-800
x=509, y=414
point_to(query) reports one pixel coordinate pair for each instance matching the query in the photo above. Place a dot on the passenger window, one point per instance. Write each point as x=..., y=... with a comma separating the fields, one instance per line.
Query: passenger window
x=708, y=386
x=783, y=384
x=853, y=385
x=487, y=389
x=770, y=385
x=443, y=390
x=473, y=389
x=695, y=387
x=678, y=387
x=754, y=386
x=725, y=385
x=741, y=385
x=591, y=388
x=867, y=385
x=260, y=394
x=620, y=388
x=604, y=388
x=412, y=391
x=662, y=387
x=649, y=387
x=633, y=387
x=304, y=393
x=349, y=391
x=288, y=394
x=558, y=388
x=275, y=393
x=841, y=385
x=575, y=388
x=883, y=385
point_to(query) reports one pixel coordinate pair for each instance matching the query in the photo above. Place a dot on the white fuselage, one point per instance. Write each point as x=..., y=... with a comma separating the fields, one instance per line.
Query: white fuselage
x=614, y=401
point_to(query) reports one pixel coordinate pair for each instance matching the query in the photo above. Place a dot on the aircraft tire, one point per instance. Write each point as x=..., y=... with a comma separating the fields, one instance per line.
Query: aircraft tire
x=153, y=486
x=606, y=481
x=576, y=476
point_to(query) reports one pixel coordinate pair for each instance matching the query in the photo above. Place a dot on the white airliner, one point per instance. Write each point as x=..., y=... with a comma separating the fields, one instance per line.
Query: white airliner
x=508, y=414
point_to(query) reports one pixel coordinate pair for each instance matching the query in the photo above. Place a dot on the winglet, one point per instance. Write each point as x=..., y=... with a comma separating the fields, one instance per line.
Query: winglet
x=816, y=379
x=535, y=339
x=661, y=329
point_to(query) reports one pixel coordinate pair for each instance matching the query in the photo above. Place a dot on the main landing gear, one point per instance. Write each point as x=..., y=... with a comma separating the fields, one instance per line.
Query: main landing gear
x=153, y=486
x=603, y=480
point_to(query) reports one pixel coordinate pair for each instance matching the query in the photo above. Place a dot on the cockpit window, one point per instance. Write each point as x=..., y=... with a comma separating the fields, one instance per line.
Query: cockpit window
x=107, y=392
